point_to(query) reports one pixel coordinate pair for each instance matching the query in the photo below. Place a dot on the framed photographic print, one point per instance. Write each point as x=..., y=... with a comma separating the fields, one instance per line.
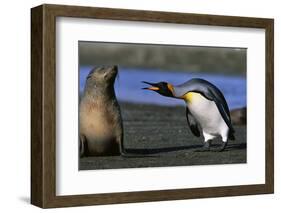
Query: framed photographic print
x=137, y=106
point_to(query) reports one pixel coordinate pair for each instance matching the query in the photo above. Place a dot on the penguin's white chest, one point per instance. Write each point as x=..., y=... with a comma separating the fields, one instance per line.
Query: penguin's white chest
x=206, y=114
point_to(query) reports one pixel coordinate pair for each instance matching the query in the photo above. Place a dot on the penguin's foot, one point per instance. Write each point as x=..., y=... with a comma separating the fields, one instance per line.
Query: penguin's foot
x=220, y=149
x=205, y=148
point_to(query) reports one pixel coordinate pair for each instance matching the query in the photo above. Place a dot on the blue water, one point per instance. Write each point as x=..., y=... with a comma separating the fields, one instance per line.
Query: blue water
x=128, y=86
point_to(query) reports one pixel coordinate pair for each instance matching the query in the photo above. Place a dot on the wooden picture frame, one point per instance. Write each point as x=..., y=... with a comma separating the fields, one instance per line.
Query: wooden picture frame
x=43, y=105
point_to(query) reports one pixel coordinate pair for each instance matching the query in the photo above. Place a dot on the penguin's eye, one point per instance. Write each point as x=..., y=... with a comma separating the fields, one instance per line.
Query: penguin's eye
x=163, y=85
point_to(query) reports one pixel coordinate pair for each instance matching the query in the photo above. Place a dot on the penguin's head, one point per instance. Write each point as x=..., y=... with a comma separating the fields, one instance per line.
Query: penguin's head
x=163, y=88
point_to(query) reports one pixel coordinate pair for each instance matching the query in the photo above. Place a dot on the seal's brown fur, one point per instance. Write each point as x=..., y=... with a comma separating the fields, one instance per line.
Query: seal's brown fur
x=101, y=131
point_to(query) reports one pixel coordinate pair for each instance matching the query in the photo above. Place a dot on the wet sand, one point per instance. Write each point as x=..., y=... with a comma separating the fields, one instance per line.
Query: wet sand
x=161, y=137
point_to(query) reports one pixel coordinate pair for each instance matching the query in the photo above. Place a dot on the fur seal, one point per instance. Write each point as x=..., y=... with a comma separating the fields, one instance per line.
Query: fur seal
x=100, y=121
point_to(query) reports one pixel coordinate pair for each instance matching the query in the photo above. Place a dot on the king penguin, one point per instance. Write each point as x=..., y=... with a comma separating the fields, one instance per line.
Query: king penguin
x=206, y=109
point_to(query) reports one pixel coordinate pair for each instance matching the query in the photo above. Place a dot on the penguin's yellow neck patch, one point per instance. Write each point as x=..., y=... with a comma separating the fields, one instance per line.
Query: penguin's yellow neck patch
x=190, y=96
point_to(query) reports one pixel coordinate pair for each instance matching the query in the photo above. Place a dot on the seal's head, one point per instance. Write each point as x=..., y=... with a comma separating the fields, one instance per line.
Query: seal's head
x=103, y=74
x=102, y=77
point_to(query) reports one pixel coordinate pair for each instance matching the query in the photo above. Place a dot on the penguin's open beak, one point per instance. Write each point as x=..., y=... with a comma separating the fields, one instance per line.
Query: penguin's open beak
x=153, y=87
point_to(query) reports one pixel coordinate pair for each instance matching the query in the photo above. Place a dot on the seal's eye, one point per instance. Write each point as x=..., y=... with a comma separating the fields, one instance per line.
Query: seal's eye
x=106, y=75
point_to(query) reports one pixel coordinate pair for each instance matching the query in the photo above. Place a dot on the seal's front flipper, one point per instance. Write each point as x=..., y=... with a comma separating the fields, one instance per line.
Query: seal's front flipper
x=126, y=154
x=82, y=146
x=130, y=155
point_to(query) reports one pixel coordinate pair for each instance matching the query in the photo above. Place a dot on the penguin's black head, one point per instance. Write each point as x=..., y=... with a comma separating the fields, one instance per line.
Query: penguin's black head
x=163, y=88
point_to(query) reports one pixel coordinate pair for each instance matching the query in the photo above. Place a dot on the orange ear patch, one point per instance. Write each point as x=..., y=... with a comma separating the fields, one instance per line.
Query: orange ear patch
x=171, y=88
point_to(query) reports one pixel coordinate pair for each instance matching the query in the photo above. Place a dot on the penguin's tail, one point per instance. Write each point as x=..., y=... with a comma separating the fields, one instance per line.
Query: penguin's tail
x=231, y=136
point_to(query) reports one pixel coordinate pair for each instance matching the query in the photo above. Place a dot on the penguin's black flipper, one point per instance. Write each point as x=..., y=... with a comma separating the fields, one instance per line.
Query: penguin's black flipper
x=224, y=114
x=214, y=94
x=192, y=123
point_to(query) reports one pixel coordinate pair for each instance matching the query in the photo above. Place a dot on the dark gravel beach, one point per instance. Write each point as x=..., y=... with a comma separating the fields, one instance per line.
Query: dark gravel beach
x=161, y=137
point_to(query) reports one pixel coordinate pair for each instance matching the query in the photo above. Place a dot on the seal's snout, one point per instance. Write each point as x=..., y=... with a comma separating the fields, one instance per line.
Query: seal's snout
x=114, y=71
x=115, y=67
x=111, y=70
